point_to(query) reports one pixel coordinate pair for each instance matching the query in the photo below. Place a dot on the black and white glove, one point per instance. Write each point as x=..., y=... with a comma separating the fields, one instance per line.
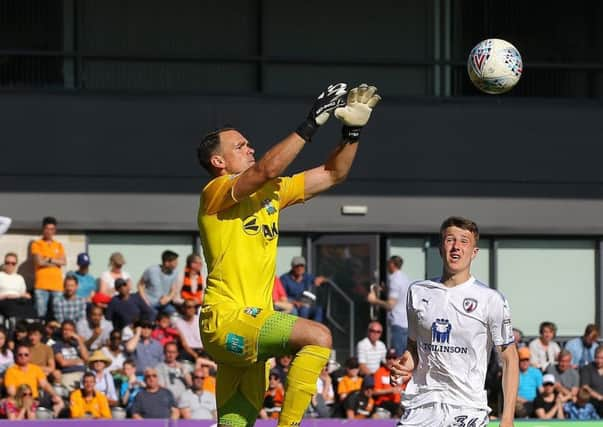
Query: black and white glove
x=327, y=101
x=357, y=111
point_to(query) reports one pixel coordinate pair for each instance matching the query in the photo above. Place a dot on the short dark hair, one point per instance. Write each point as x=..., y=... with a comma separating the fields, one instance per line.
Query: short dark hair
x=67, y=322
x=71, y=277
x=208, y=146
x=396, y=260
x=462, y=223
x=590, y=328
x=88, y=374
x=162, y=315
x=36, y=327
x=49, y=220
x=168, y=256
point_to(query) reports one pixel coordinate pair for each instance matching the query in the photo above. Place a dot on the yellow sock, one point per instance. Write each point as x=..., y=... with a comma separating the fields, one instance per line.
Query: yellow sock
x=301, y=383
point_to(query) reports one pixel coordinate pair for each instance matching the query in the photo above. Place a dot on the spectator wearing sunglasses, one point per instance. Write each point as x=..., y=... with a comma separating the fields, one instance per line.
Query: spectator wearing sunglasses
x=198, y=404
x=154, y=401
x=22, y=406
x=15, y=301
x=25, y=372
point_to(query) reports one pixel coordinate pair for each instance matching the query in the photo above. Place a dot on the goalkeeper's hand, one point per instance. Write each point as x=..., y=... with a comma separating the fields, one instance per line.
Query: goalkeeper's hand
x=327, y=101
x=357, y=111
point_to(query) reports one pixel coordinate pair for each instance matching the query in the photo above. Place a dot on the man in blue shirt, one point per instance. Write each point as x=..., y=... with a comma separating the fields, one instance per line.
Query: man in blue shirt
x=158, y=284
x=301, y=289
x=530, y=382
x=85, y=281
x=583, y=348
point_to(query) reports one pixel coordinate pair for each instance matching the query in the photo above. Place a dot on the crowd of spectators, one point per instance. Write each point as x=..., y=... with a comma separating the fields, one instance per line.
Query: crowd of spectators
x=106, y=347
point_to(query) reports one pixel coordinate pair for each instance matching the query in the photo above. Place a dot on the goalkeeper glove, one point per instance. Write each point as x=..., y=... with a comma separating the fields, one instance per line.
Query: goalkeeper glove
x=357, y=111
x=326, y=102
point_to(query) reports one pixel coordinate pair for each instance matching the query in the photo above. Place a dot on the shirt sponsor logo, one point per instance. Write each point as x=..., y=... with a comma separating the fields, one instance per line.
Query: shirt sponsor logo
x=440, y=335
x=469, y=305
x=251, y=226
x=235, y=343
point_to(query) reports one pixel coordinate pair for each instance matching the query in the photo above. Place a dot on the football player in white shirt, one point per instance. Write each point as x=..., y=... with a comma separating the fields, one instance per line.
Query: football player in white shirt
x=453, y=323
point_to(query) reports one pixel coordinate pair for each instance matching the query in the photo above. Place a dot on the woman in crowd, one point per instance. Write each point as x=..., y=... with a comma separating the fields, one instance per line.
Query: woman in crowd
x=107, y=279
x=6, y=355
x=22, y=407
x=544, y=350
x=98, y=364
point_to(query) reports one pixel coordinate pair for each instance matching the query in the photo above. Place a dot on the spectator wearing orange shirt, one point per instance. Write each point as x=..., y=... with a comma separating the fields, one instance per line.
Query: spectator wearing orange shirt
x=351, y=381
x=48, y=258
x=273, y=398
x=385, y=395
x=86, y=402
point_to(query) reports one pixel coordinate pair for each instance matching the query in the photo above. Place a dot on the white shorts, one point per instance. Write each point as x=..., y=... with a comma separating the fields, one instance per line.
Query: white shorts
x=443, y=415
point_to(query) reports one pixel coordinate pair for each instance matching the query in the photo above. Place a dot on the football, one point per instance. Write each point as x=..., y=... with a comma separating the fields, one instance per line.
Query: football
x=494, y=66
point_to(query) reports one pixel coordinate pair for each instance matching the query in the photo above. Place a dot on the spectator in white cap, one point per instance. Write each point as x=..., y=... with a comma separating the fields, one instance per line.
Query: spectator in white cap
x=86, y=282
x=301, y=289
x=549, y=404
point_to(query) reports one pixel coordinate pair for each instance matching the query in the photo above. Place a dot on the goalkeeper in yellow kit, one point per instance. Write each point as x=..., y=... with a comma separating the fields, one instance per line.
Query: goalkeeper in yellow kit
x=238, y=222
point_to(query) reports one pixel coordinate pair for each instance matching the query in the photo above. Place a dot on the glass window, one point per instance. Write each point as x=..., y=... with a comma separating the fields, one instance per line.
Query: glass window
x=548, y=280
x=288, y=247
x=412, y=252
x=139, y=250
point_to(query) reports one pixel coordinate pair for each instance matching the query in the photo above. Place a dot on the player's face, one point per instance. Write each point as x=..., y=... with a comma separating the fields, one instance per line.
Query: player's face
x=236, y=155
x=458, y=249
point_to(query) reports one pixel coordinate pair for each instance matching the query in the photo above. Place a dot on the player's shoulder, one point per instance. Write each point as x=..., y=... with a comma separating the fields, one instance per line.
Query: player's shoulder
x=425, y=284
x=484, y=291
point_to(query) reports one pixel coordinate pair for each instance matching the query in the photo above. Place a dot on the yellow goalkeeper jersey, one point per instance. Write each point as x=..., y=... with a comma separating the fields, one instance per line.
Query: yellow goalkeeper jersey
x=239, y=239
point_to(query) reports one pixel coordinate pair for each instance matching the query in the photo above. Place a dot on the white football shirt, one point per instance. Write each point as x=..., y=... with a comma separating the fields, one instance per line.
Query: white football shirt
x=455, y=329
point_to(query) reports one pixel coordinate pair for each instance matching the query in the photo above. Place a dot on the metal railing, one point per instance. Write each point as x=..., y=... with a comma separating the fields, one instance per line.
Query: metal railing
x=333, y=290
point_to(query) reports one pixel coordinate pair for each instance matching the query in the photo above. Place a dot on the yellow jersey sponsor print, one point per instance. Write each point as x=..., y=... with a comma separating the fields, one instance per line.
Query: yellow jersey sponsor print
x=239, y=239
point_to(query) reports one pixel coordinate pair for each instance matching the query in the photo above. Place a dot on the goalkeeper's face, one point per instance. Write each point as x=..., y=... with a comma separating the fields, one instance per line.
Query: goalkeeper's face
x=235, y=154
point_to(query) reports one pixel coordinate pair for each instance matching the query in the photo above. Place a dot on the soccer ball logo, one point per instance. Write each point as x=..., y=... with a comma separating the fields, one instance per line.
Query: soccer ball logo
x=494, y=66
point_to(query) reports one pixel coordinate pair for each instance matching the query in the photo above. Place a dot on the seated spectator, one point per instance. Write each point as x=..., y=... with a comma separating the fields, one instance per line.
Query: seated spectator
x=114, y=351
x=22, y=406
x=98, y=364
x=323, y=401
x=126, y=308
x=371, y=350
x=385, y=395
x=280, y=299
x=106, y=281
x=583, y=348
x=567, y=379
x=20, y=332
x=196, y=403
x=301, y=290
x=25, y=372
x=87, y=402
x=351, y=381
x=68, y=305
x=191, y=282
x=360, y=404
x=86, y=283
x=41, y=354
x=549, y=403
x=591, y=378
x=530, y=381
x=273, y=397
x=518, y=335
x=209, y=369
x=158, y=285
x=94, y=328
x=173, y=375
x=6, y=355
x=282, y=366
x=544, y=350
x=582, y=409
x=15, y=301
x=154, y=401
x=188, y=332
x=130, y=386
x=144, y=350
x=70, y=355
x=52, y=330
x=164, y=332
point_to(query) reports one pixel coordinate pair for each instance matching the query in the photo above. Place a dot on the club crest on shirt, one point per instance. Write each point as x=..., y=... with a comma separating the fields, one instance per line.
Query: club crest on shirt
x=252, y=311
x=267, y=204
x=440, y=331
x=469, y=305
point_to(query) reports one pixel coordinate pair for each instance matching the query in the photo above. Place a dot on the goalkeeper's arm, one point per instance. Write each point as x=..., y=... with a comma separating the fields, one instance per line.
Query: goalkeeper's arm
x=354, y=116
